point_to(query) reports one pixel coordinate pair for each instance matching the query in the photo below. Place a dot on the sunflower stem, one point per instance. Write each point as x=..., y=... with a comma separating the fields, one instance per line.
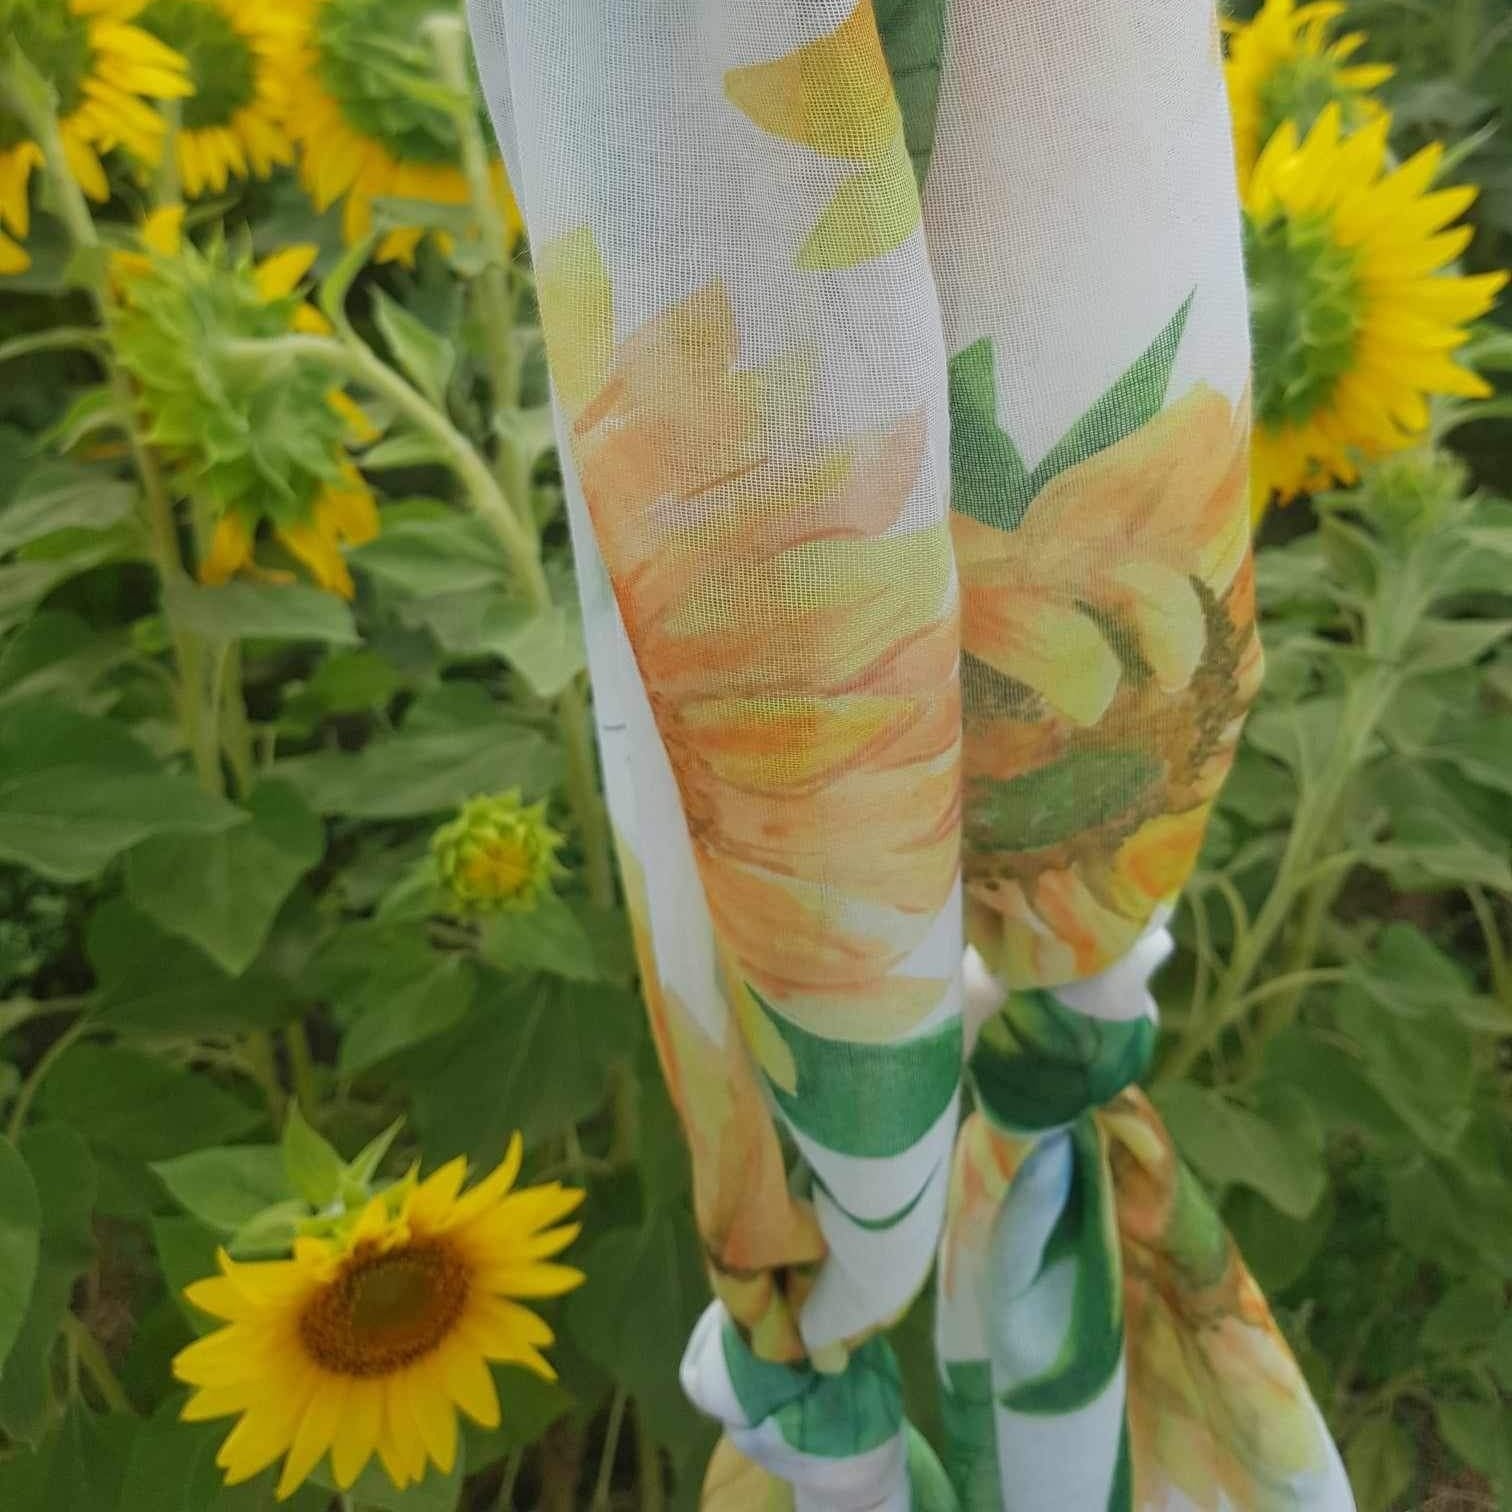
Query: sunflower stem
x=168, y=190
x=39, y=1073
x=616, y=1421
x=85, y=1348
x=653, y=1490
x=448, y=38
x=301, y=1067
x=504, y=1502
x=262, y=1066
x=35, y=101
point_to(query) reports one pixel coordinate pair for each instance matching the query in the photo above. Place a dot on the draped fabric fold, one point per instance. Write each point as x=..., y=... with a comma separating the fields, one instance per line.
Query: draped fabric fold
x=900, y=367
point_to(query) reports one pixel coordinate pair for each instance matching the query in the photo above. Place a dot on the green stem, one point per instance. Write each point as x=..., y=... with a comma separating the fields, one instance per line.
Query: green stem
x=583, y=794
x=35, y=101
x=86, y=1349
x=601, y=1486
x=231, y=717
x=39, y=1073
x=653, y=1490
x=168, y=190
x=504, y=1502
x=262, y=1065
x=301, y=1067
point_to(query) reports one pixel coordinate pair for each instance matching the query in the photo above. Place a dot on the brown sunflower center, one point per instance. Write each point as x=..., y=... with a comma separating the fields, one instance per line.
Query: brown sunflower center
x=385, y=1309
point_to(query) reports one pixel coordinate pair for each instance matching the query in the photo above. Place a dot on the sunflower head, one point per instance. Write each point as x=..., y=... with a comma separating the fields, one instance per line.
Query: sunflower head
x=371, y=1340
x=497, y=854
x=233, y=123
x=250, y=447
x=102, y=71
x=1355, y=316
x=1286, y=65
x=374, y=121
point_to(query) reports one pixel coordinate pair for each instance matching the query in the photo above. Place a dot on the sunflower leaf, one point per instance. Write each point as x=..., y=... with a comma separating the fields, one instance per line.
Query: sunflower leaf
x=311, y=1161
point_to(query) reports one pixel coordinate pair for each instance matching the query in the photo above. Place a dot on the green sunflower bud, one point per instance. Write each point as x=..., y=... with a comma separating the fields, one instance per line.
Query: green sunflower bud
x=497, y=854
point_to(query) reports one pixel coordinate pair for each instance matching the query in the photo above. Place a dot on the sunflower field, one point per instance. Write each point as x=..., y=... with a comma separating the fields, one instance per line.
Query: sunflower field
x=335, y=1168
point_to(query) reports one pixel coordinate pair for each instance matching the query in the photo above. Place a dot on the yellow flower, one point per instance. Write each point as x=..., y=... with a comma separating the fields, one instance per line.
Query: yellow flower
x=233, y=124
x=1354, y=318
x=1285, y=65
x=250, y=450
x=368, y=123
x=497, y=854
x=371, y=1342
x=104, y=70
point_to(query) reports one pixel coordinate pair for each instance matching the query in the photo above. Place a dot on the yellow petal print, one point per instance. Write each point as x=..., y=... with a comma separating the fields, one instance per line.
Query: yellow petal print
x=821, y=799
x=835, y=96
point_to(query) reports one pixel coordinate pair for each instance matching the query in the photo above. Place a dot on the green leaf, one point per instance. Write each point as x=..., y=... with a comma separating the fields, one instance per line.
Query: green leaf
x=262, y=611
x=430, y=765
x=1278, y=1156
x=20, y=1242
x=76, y=791
x=227, y=1185
x=431, y=551
x=24, y=584
x=534, y=1059
x=426, y=358
x=548, y=938
x=545, y=648
x=223, y=891
x=135, y=1107
x=312, y=1164
x=1079, y=792
x=64, y=1178
x=60, y=656
x=61, y=496
x=392, y=1012
x=1380, y=1460
x=867, y=1100
x=989, y=480
x=645, y=1290
x=1479, y=1432
x=913, y=38
x=153, y=983
x=1442, y=645
x=354, y=682
x=80, y=1467
x=1460, y=1319
x=1277, y=1248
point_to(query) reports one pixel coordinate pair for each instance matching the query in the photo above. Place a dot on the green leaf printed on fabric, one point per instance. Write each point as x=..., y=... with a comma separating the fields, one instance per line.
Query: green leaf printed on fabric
x=1121, y=1493
x=869, y=1100
x=989, y=480
x=913, y=38
x=1087, y=1235
x=888, y=1220
x=1039, y=1064
x=966, y=1413
x=871, y=213
x=1082, y=791
x=835, y=1416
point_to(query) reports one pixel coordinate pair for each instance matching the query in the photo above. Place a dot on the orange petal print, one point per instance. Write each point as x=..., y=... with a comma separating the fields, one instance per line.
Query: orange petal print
x=798, y=640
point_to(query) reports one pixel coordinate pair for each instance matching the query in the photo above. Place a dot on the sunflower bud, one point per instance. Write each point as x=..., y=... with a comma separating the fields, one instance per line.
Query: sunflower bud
x=497, y=854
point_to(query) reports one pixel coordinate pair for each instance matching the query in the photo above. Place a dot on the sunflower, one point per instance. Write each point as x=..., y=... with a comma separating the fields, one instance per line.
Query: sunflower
x=1285, y=65
x=369, y=124
x=233, y=124
x=1354, y=318
x=371, y=1342
x=250, y=451
x=103, y=70
x=497, y=855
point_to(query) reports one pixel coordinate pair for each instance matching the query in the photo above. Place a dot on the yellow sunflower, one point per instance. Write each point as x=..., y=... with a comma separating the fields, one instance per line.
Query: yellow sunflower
x=1353, y=316
x=233, y=124
x=104, y=69
x=369, y=124
x=371, y=1342
x=252, y=452
x=1285, y=65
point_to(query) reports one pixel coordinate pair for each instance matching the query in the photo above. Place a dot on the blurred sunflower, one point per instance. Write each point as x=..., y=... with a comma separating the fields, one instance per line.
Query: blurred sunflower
x=250, y=450
x=233, y=123
x=103, y=70
x=1353, y=317
x=372, y=121
x=1286, y=65
x=371, y=1342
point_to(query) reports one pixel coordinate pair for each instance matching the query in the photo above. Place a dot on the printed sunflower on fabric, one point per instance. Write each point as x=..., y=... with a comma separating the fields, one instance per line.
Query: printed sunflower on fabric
x=104, y=70
x=255, y=455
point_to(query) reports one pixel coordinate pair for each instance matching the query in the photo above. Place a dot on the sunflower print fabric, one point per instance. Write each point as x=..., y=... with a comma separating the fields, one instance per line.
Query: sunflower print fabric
x=902, y=384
